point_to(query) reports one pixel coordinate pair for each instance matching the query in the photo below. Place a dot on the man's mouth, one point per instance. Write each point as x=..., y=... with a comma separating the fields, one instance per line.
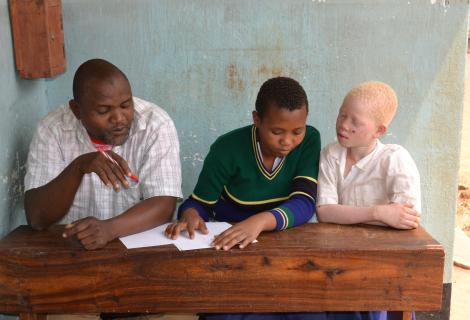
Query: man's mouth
x=120, y=131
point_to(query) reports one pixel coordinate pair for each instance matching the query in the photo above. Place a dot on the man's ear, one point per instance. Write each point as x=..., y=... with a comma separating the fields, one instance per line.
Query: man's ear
x=381, y=130
x=75, y=107
x=256, y=119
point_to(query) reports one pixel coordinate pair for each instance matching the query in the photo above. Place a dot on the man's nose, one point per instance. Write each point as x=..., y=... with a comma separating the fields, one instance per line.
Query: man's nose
x=117, y=116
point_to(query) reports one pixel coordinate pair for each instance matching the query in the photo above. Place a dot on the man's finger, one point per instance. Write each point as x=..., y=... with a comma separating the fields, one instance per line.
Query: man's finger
x=75, y=227
x=85, y=233
x=120, y=175
x=122, y=163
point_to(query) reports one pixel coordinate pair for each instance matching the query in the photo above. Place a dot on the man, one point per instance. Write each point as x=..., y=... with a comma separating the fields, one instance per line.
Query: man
x=83, y=159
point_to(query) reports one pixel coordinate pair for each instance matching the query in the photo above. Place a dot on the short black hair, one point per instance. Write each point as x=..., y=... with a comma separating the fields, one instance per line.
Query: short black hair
x=99, y=69
x=282, y=91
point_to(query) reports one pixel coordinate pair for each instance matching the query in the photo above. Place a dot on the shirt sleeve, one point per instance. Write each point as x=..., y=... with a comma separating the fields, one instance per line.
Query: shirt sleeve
x=160, y=173
x=300, y=207
x=403, y=180
x=45, y=161
x=327, y=179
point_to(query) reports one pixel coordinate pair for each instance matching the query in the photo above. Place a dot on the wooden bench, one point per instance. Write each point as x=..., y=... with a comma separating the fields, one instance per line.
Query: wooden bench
x=314, y=267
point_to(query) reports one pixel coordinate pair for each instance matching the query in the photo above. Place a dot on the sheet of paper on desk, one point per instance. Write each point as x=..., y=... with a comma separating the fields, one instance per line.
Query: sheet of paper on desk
x=156, y=237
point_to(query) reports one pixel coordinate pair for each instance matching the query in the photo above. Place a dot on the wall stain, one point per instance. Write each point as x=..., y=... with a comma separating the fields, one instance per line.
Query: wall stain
x=270, y=72
x=233, y=80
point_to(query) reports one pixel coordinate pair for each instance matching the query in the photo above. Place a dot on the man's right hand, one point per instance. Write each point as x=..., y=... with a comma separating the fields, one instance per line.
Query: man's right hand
x=190, y=221
x=112, y=174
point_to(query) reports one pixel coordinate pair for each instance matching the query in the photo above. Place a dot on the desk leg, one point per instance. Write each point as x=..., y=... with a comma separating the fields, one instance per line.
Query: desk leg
x=33, y=316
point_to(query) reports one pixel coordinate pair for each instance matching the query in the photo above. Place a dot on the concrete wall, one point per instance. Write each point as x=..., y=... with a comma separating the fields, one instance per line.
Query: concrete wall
x=203, y=61
x=23, y=103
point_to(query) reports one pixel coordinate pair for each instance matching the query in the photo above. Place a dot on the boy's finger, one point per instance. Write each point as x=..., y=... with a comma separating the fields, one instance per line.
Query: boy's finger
x=177, y=230
x=234, y=241
x=169, y=229
x=190, y=228
x=203, y=227
x=245, y=242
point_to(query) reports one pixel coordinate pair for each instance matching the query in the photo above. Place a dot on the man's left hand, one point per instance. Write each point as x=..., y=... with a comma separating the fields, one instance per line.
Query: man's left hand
x=91, y=232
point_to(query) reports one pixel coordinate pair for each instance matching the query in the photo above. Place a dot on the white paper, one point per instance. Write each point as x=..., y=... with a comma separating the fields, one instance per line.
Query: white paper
x=157, y=237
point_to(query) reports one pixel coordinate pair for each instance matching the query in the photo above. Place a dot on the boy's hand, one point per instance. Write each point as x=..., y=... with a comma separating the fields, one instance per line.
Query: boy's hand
x=113, y=174
x=190, y=221
x=398, y=215
x=245, y=232
x=91, y=232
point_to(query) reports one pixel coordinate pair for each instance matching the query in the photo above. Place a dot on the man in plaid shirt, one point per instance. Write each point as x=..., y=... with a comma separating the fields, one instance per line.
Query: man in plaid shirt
x=107, y=165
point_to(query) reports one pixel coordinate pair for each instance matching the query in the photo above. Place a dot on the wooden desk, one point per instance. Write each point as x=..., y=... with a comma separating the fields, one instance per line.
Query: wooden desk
x=314, y=267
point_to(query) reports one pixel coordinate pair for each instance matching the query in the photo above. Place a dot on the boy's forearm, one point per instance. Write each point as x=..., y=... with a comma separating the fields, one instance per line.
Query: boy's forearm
x=343, y=214
x=47, y=204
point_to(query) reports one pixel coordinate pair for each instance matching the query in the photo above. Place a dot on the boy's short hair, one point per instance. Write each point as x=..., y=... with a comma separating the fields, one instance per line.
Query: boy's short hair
x=379, y=96
x=282, y=91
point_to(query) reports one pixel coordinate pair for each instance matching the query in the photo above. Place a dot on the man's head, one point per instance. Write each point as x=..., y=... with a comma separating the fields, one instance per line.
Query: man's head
x=102, y=101
x=280, y=116
x=365, y=114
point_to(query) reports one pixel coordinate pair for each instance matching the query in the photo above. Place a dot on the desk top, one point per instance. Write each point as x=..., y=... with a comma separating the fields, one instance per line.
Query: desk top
x=313, y=267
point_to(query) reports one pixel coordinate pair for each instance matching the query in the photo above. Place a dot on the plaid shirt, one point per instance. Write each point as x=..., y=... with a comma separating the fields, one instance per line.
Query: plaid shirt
x=152, y=152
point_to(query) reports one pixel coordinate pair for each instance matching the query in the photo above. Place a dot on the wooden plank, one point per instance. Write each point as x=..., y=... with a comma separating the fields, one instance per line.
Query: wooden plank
x=38, y=37
x=314, y=267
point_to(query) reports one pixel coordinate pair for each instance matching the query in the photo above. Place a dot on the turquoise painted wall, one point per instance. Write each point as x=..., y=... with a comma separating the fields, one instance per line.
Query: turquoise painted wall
x=22, y=104
x=203, y=61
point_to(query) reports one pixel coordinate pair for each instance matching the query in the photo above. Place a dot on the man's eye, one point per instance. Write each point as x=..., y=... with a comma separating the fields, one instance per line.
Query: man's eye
x=102, y=111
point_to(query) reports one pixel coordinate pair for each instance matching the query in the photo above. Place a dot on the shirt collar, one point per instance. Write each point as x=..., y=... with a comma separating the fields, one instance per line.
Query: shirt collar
x=362, y=164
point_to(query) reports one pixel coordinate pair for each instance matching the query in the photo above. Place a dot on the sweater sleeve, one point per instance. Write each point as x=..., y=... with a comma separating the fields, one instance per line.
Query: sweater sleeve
x=204, y=211
x=299, y=208
x=301, y=205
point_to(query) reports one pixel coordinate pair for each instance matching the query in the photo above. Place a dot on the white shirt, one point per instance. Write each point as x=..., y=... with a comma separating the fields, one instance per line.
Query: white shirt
x=151, y=151
x=387, y=175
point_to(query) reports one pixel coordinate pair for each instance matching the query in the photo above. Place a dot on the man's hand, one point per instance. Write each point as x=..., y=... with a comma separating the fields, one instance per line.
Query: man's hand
x=397, y=215
x=111, y=173
x=92, y=233
x=245, y=232
x=190, y=221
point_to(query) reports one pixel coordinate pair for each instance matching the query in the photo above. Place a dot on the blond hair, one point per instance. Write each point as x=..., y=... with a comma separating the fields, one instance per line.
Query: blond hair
x=379, y=97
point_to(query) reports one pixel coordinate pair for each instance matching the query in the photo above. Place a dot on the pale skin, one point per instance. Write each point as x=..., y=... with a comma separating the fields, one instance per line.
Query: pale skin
x=106, y=111
x=358, y=131
x=280, y=131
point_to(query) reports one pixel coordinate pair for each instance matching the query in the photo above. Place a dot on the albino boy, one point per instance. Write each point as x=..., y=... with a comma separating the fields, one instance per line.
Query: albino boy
x=362, y=180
